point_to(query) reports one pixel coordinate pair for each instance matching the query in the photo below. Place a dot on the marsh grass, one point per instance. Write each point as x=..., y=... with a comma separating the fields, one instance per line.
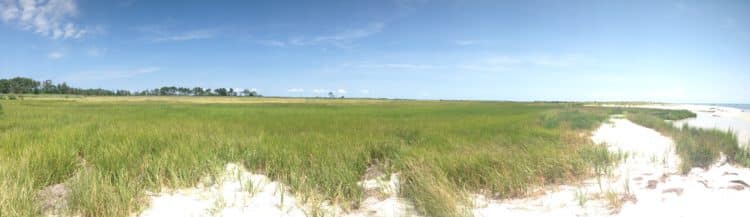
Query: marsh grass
x=743, y=155
x=110, y=152
x=581, y=197
x=696, y=147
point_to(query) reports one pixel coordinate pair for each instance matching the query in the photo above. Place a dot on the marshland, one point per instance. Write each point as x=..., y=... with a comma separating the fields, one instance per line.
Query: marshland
x=390, y=108
x=110, y=152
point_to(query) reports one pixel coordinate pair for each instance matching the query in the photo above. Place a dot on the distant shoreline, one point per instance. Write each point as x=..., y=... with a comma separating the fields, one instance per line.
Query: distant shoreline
x=744, y=107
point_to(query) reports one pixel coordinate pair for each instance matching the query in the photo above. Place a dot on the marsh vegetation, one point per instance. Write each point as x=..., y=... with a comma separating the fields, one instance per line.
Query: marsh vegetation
x=109, y=151
x=696, y=147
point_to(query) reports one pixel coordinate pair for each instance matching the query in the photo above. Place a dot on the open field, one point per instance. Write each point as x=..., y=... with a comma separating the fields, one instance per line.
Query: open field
x=109, y=152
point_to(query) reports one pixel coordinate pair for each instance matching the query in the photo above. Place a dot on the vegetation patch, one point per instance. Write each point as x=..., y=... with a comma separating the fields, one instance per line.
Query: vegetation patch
x=696, y=147
x=110, y=152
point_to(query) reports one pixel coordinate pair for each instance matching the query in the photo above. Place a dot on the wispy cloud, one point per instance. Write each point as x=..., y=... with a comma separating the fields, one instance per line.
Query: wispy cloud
x=55, y=55
x=50, y=18
x=272, y=43
x=364, y=91
x=189, y=35
x=340, y=38
x=97, y=75
x=352, y=34
x=161, y=33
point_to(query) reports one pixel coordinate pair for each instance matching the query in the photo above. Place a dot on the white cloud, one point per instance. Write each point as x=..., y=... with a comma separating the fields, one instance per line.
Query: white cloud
x=9, y=10
x=189, y=35
x=339, y=38
x=341, y=91
x=49, y=18
x=272, y=43
x=55, y=55
x=351, y=34
x=295, y=90
x=161, y=33
x=364, y=91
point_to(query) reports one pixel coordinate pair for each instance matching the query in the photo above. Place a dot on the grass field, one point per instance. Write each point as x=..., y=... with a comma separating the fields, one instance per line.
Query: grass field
x=110, y=151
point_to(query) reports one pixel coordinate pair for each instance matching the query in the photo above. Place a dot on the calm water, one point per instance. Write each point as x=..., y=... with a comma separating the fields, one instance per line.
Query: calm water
x=745, y=107
x=740, y=126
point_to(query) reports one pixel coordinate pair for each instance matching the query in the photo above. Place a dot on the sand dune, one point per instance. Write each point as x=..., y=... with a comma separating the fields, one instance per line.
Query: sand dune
x=238, y=192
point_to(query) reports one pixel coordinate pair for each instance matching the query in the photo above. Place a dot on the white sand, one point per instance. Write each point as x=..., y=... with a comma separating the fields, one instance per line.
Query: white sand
x=651, y=159
x=238, y=192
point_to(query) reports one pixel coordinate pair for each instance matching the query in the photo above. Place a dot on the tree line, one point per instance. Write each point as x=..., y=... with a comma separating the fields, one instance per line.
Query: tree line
x=21, y=85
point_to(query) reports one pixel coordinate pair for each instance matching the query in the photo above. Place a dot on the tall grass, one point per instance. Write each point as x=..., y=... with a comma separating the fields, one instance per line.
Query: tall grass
x=743, y=155
x=110, y=152
x=696, y=147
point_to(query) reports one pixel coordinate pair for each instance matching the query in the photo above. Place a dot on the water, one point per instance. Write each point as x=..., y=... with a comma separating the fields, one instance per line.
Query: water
x=737, y=122
x=744, y=107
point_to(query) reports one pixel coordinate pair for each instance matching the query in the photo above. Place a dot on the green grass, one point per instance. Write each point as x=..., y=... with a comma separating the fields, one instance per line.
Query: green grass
x=743, y=155
x=696, y=147
x=110, y=152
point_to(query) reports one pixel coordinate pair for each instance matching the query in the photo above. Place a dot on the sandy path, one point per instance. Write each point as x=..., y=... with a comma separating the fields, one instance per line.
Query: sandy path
x=645, y=184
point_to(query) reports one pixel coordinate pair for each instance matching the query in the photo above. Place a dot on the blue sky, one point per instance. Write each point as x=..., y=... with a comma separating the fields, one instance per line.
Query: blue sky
x=675, y=51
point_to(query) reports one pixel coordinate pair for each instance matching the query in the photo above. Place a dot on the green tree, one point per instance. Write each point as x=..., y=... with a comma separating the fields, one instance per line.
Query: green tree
x=63, y=88
x=22, y=85
x=221, y=91
x=4, y=86
x=49, y=87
